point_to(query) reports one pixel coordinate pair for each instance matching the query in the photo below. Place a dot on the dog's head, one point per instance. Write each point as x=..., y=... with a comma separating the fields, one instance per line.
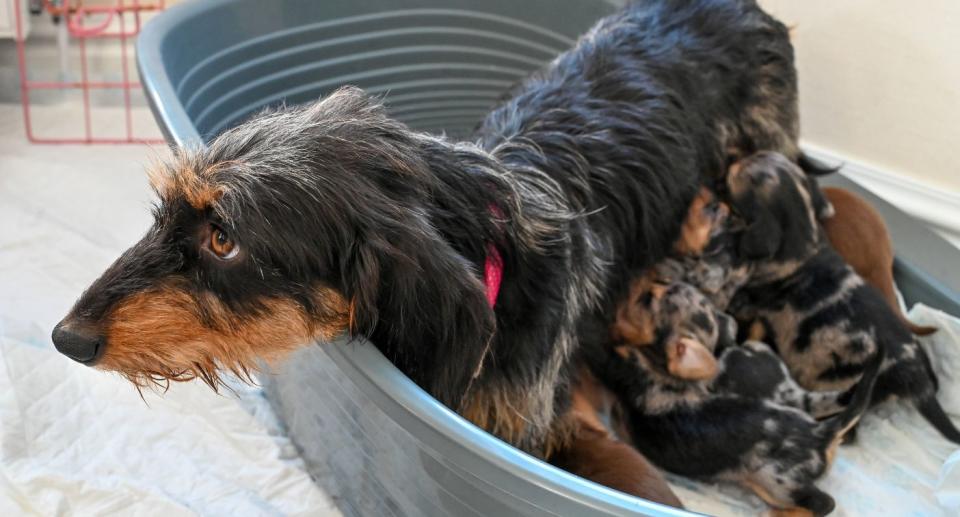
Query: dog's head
x=284, y=230
x=675, y=326
x=781, y=207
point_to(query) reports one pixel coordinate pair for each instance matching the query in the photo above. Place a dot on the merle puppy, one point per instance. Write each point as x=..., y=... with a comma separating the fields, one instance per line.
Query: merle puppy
x=823, y=319
x=705, y=255
x=741, y=424
x=678, y=329
x=307, y=222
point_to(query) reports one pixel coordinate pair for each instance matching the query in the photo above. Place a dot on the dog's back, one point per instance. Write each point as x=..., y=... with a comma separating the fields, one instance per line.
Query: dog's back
x=650, y=101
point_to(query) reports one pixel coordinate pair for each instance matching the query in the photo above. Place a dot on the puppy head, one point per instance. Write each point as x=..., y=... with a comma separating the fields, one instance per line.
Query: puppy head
x=676, y=327
x=277, y=234
x=780, y=205
x=704, y=221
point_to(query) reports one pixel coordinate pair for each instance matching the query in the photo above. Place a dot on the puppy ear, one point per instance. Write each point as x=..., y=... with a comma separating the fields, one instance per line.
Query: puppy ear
x=726, y=332
x=762, y=238
x=633, y=325
x=689, y=359
x=822, y=207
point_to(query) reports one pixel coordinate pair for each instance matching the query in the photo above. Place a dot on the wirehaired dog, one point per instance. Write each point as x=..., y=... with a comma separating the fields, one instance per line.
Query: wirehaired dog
x=307, y=222
x=740, y=424
x=822, y=318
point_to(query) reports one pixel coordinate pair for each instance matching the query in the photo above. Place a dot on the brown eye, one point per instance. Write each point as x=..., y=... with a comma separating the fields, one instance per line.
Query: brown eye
x=221, y=244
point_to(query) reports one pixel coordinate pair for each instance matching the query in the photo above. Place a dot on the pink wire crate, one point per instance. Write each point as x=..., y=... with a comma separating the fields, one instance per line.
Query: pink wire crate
x=120, y=21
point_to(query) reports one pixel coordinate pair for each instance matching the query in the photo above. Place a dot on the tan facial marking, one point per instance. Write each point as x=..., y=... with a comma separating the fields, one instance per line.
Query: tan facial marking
x=166, y=333
x=634, y=323
x=198, y=187
x=698, y=225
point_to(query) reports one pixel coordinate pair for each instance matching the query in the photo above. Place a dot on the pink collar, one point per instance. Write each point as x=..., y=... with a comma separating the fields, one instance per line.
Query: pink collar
x=492, y=273
x=493, y=265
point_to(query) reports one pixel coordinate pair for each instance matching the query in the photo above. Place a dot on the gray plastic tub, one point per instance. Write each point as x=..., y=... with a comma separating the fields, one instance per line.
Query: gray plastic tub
x=377, y=442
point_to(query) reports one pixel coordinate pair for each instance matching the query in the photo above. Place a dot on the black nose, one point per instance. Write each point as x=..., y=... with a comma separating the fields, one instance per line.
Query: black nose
x=76, y=344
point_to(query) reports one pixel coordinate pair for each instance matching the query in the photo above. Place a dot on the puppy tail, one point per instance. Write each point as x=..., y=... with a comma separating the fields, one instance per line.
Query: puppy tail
x=859, y=401
x=933, y=412
x=813, y=167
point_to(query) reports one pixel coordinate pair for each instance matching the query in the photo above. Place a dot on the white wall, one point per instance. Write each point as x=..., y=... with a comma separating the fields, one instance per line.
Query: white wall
x=880, y=87
x=880, y=81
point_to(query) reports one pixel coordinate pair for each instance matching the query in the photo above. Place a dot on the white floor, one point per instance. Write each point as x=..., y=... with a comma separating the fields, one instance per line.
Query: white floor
x=78, y=441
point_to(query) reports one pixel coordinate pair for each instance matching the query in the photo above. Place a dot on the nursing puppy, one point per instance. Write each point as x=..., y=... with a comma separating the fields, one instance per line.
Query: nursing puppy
x=705, y=255
x=822, y=318
x=741, y=424
x=657, y=310
x=858, y=233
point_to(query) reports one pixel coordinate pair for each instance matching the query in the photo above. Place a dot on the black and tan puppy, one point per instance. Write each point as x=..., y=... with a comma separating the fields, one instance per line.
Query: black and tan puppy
x=823, y=319
x=741, y=425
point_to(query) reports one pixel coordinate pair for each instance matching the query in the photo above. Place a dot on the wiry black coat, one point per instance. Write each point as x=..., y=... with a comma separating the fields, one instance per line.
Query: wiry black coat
x=649, y=104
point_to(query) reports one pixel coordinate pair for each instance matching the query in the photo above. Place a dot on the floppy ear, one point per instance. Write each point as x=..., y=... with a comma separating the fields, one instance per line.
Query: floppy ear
x=361, y=270
x=726, y=332
x=633, y=325
x=814, y=167
x=689, y=359
x=444, y=345
x=822, y=207
x=762, y=238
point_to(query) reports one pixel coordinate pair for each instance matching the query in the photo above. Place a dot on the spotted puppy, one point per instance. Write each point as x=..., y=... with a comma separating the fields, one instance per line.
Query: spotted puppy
x=704, y=256
x=822, y=318
x=681, y=330
x=735, y=426
x=679, y=321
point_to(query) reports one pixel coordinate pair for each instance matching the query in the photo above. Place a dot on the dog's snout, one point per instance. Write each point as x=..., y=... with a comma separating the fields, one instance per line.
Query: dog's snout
x=77, y=344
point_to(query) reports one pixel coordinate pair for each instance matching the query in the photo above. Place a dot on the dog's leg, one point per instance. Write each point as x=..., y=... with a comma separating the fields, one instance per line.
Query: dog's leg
x=597, y=456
